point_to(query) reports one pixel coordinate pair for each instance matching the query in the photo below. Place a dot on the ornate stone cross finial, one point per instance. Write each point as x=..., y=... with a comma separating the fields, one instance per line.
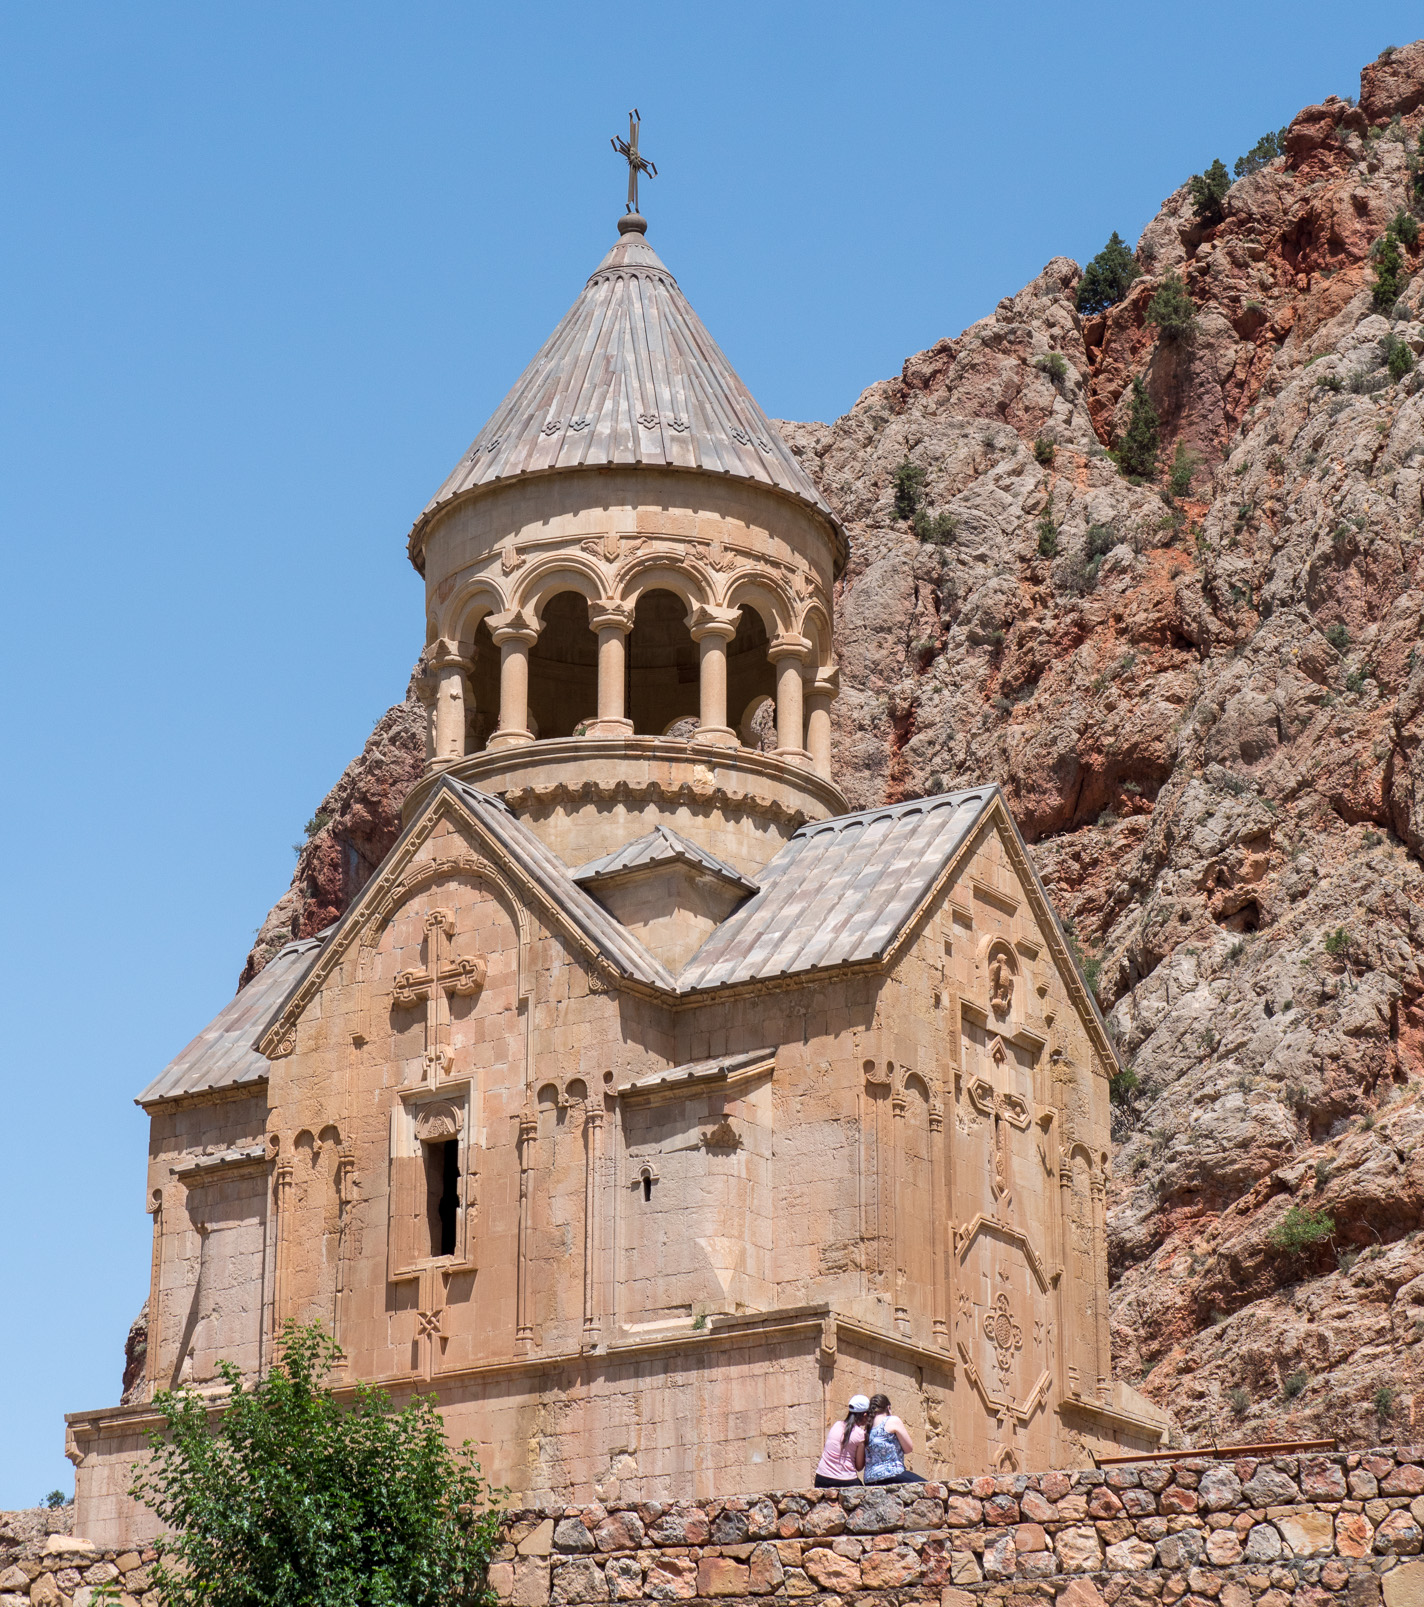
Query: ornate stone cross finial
x=628, y=149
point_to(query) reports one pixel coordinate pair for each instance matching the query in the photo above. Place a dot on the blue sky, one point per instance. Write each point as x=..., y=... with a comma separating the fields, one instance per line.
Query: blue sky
x=266, y=270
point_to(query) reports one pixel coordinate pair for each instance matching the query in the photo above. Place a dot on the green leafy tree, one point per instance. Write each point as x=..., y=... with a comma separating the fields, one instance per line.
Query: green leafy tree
x=1106, y=279
x=1266, y=149
x=1184, y=463
x=937, y=529
x=1397, y=355
x=1208, y=192
x=1173, y=310
x=909, y=483
x=289, y=1500
x=1137, y=450
x=1389, y=270
x=1299, y=1229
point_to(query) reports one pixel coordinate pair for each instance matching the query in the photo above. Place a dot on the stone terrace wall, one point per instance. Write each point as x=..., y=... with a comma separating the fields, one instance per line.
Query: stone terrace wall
x=58, y=1570
x=1289, y=1532
x=1307, y=1531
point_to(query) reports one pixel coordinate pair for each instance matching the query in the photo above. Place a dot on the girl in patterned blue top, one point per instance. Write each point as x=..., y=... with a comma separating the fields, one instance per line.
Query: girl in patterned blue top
x=886, y=1447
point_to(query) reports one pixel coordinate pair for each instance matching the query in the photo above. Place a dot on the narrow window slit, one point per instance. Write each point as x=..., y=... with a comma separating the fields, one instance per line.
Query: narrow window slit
x=442, y=1194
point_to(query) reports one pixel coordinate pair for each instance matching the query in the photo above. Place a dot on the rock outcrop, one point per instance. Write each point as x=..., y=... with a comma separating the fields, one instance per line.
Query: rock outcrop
x=1207, y=712
x=350, y=833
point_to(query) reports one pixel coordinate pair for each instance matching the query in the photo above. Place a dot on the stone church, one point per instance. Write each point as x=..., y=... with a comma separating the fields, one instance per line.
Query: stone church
x=645, y=1104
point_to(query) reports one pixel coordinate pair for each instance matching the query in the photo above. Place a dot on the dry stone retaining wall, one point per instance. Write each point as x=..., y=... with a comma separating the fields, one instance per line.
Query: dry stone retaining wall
x=1308, y=1531
x=1285, y=1532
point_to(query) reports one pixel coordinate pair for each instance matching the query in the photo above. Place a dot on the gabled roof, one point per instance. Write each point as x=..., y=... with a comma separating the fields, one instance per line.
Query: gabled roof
x=661, y=846
x=224, y=1054
x=840, y=892
x=551, y=876
x=630, y=376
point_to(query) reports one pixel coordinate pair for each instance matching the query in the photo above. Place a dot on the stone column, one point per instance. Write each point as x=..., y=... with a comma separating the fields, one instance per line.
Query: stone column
x=938, y=1215
x=447, y=669
x=513, y=633
x=897, y=1210
x=788, y=654
x=1097, y=1186
x=712, y=629
x=1069, y=1349
x=425, y=691
x=593, y=1133
x=155, y=1296
x=818, y=719
x=611, y=621
x=528, y=1132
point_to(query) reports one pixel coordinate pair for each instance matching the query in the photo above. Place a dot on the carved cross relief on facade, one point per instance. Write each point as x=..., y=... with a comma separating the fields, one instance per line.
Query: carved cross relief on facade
x=1005, y=1109
x=445, y=974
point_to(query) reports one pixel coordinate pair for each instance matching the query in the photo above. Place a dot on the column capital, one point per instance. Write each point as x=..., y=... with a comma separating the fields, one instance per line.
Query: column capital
x=443, y=654
x=716, y=622
x=827, y=682
x=788, y=646
x=514, y=625
x=608, y=614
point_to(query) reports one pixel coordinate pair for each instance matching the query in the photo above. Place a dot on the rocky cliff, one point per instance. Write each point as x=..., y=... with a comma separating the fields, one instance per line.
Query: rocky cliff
x=1206, y=707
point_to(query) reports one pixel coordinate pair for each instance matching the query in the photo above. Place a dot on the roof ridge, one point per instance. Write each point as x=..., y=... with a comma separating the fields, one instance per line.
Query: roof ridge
x=933, y=800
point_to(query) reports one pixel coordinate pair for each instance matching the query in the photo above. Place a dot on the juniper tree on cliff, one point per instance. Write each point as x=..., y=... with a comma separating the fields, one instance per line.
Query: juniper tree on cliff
x=1106, y=279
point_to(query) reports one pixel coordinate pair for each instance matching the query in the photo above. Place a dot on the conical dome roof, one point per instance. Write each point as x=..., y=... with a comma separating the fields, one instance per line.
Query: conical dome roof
x=630, y=376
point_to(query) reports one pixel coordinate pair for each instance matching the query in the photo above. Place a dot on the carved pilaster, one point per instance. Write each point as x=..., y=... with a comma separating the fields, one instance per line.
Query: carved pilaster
x=281, y=1211
x=1097, y=1192
x=155, y=1295
x=528, y=1131
x=939, y=1209
x=897, y=1204
x=593, y=1144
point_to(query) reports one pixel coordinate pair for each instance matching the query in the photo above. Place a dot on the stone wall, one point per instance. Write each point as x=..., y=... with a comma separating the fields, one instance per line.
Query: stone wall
x=1286, y=1532
x=59, y=1570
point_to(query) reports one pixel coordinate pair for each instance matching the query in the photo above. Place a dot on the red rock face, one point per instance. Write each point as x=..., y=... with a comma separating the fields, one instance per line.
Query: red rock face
x=1212, y=732
x=1214, y=745
x=359, y=821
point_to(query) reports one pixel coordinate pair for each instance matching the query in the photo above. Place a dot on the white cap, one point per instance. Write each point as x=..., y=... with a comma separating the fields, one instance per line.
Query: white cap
x=859, y=1403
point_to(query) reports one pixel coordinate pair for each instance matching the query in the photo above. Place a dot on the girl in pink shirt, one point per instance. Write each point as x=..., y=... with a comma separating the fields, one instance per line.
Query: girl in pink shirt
x=844, y=1455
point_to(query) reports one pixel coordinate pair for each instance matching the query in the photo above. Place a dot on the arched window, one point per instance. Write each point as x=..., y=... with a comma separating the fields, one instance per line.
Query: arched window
x=563, y=668
x=750, y=675
x=662, y=665
x=482, y=711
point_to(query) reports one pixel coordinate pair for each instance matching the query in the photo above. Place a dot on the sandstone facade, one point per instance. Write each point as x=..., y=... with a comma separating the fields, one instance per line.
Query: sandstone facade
x=1209, y=786
x=642, y=1102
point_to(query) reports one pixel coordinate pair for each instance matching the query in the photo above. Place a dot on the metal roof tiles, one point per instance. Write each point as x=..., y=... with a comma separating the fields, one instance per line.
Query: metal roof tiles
x=661, y=846
x=629, y=376
x=839, y=892
x=224, y=1054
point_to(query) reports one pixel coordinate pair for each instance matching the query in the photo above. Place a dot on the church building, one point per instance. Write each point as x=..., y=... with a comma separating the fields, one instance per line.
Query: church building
x=645, y=1104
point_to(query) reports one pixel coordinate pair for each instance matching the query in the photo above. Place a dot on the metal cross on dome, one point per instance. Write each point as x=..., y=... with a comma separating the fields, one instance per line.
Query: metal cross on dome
x=628, y=149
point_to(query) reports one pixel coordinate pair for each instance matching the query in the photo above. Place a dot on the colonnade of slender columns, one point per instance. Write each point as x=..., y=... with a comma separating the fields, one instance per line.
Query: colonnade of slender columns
x=803, y=717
